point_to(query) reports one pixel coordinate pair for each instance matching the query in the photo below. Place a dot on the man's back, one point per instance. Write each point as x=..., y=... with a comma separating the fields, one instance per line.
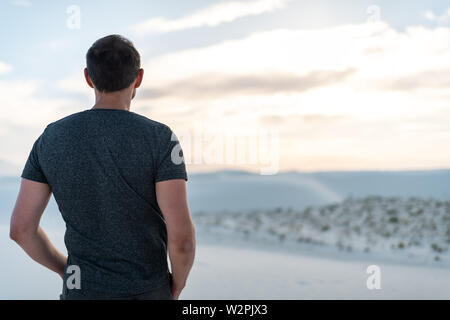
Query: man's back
x=120, y=183
x=102, y=166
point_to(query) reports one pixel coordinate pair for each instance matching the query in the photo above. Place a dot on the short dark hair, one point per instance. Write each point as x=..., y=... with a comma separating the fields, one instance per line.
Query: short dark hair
x=112, y=63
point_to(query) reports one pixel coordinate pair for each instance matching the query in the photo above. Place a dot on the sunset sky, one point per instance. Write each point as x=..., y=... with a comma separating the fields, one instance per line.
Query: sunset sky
x=345, y=85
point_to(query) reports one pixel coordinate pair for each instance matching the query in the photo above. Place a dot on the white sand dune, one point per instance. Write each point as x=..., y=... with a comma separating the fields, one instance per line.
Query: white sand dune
x=411, y=230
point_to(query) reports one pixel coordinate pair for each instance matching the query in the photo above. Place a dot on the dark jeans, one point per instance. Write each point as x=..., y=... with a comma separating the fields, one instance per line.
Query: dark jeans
x=161, y=293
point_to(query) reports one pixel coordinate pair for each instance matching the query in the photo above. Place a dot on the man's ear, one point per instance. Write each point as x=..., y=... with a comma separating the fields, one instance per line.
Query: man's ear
x=139, y=78
x=88, y=79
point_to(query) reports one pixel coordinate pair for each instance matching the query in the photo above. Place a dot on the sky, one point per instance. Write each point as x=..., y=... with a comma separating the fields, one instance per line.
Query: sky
x=261, y=85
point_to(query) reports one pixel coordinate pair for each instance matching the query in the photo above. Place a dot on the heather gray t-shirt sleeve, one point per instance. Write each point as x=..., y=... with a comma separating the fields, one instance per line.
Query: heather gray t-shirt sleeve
x=170, y=163
x=32, y=169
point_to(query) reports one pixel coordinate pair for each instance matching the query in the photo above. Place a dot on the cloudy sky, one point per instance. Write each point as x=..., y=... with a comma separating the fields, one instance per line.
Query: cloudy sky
x=340, y=85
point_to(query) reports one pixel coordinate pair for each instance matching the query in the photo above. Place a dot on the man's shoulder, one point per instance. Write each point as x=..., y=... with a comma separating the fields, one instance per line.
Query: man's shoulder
x=76, y=118
x=65, y=120
x=150, y=122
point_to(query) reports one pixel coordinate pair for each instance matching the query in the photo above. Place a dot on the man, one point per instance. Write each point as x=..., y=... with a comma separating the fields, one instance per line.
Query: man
x=119, y=180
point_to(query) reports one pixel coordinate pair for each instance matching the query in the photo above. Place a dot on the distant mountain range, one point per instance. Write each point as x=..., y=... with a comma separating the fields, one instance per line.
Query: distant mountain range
x=241, y=190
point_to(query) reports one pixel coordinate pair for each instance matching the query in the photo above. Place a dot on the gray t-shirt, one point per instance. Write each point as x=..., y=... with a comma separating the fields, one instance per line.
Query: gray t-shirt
x=102, y=166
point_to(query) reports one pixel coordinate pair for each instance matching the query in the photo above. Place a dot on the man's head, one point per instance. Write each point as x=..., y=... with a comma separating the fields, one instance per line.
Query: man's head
x=113, y=64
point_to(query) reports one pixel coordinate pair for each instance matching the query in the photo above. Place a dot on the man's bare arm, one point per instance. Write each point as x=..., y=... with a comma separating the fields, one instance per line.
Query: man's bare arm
x=25, y=230
x=172, y=200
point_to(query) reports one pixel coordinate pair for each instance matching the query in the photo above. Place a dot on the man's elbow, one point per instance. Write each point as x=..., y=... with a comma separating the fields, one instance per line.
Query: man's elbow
x=14, y=234
x=17, y=233
x=185, y=247
x=184, y=243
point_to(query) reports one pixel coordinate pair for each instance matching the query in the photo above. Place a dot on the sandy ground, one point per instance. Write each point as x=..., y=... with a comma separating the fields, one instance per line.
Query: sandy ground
x=229, y=271
x=223, y=272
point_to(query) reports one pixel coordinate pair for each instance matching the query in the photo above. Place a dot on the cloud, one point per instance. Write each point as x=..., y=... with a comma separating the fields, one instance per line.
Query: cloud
x=342, y=97
x=275, y=120
x=75, y=83
x=443, y=18
x=209, y=86
x=429, y=79
x=22, y=104
x=22, y=3
x=4, y=68
x=210, y=16
x=281, y=51
x=345, y=95
x=309, y=65
x=24, y=113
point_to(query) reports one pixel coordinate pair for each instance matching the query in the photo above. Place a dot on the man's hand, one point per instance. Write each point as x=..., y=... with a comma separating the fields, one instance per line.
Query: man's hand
x=176, y=288
x=61, y=274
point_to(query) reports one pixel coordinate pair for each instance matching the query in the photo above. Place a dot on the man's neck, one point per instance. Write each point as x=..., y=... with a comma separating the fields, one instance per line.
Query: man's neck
x=115, y=100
